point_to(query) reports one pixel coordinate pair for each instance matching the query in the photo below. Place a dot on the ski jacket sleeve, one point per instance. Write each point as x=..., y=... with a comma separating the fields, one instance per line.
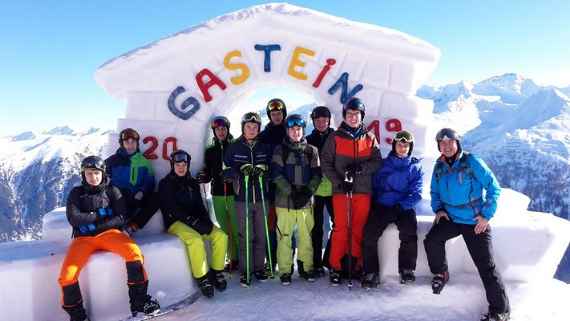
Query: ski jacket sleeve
x=316, y=173
x=371, y=165
x=328, y=161
x=73, y=212
x=490, y=184
x=436, y=203
x=278, y=171
x=119, y=207
x=415, y=187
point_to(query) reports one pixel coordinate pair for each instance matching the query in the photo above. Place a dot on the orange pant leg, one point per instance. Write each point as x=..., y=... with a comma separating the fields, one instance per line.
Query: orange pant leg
x=119, y=243
x=77, y=256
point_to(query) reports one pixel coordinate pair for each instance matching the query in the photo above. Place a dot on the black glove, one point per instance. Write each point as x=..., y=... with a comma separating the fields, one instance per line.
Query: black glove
x=398, y=208
x=201, y=225
x=203, y=177
x=301, y=196
x=348, y=186
x=354, y=169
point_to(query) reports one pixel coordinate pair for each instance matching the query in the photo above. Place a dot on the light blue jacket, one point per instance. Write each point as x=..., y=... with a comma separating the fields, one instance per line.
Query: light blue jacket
x=458, y=189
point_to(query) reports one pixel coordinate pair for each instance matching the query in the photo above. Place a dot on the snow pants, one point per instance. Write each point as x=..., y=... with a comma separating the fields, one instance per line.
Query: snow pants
x=480, y=249
x=287, y=220
x=360, y=206
x=253, y=247
x=196, y=250
x=378, y=220
x=317, y=233
x=81, y=249
x=225, y=209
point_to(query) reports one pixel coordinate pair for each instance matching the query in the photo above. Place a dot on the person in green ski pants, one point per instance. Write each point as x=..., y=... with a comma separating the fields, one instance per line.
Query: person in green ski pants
x=221, y=189
x=296, y=172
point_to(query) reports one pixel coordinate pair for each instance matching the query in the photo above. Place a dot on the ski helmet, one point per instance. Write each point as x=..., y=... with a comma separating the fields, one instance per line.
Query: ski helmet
x=405, y=137
x=448, y=134
x=276, y=104
x=295, y=120
x=354, y=103
x=128, y=133
x=92, y=162
x=320, y=111
x=251, y=117
x=220, y=121
x=179, y=156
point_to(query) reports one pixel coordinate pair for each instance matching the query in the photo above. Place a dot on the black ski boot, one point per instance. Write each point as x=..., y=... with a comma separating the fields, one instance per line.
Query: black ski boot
x=319, y=272
x=285, y=279
x=407, y=276
x=496, y=316
x=370, y=281
x=261, y=275
x=307, y=275
x=439, y=281
x=76, y=313
x=217, y=278
x=335, y=278
x=244, y=282
x=205, y=286
x=140, y=301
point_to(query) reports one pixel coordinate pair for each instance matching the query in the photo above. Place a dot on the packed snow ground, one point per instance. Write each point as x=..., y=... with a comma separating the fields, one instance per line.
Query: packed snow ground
x=462, y=299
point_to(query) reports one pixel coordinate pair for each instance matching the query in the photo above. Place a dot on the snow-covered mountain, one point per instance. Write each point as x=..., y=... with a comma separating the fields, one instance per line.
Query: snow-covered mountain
x=520, y=129
x=37, y=170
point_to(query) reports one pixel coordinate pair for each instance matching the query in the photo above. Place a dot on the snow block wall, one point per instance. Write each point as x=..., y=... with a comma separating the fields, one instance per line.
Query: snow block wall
x=173, y=87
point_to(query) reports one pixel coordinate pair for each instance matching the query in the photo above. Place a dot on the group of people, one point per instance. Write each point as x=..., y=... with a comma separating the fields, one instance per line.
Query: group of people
x=269, y=189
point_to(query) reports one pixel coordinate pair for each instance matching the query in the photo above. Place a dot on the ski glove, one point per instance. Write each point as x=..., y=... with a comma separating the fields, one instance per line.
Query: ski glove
x=199, y=224
x=348, y=186
x=260, y=170
x=354, y=169
x=247, y=169
x=203, y=177
x=104, y=212
x=87, y=228
x=301, y=197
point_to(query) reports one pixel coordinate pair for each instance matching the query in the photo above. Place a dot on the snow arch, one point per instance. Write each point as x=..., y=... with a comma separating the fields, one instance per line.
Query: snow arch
x=174, y=86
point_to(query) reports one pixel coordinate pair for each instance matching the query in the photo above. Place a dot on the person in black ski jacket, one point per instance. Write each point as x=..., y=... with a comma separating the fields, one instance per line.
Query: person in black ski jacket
x=186, y=216
x=96, y=211
x=321, y=117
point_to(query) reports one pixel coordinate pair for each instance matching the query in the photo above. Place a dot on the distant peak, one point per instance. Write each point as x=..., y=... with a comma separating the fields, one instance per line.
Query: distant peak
x=61, y=130
x=24, y=136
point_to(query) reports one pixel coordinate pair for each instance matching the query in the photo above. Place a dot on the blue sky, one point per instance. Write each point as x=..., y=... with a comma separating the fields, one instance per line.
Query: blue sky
x=49, y=50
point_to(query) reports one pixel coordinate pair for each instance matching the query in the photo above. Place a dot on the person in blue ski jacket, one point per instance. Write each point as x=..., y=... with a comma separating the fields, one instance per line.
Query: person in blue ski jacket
x=397, y=188
x=464, y=193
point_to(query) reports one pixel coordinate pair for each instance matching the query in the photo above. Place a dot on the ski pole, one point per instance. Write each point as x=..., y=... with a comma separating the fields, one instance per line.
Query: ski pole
x=349, y=225
x=247, y=254
x=266, y=226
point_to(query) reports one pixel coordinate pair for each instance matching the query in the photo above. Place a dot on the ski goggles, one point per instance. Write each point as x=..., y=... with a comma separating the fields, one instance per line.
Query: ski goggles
x=447, y=134
x=403, y=137
x=219, y=122
x=276, y=105
x=180, y=157
x=295, y=121
x=250, y=117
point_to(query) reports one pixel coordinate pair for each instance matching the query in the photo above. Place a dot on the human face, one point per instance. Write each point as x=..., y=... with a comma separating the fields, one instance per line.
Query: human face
x=276, y=117
x=221, y=133
x=94, y=177
x=295, y=133
x=448, y=147
x=250, y=130
x=353, y=118
x=130, y=145
x=321, y=123
x=181, y=168
x=402, y=149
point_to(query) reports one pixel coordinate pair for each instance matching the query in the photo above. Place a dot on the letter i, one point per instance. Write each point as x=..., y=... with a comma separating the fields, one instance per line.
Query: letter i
x=324, y=71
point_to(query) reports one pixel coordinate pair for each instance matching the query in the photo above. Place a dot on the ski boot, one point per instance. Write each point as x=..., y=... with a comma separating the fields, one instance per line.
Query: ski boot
x=319, y=272
x=205, y=286
x=261, y=275
x=439, y=281
x=335, y=278
x=496, y=316
x=140, y=301
x=370, y=281
x=218, y=280
x=285, y=279
x=407, y=276
x=76, y=313
x=244, y=282
x=307, y=275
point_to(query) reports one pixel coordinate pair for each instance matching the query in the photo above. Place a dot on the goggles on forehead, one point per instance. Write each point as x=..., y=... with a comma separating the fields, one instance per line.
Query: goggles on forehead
x=250, y=117
x=181, y=157
x=276, y=105
x=447, y=134
x=294, y=121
